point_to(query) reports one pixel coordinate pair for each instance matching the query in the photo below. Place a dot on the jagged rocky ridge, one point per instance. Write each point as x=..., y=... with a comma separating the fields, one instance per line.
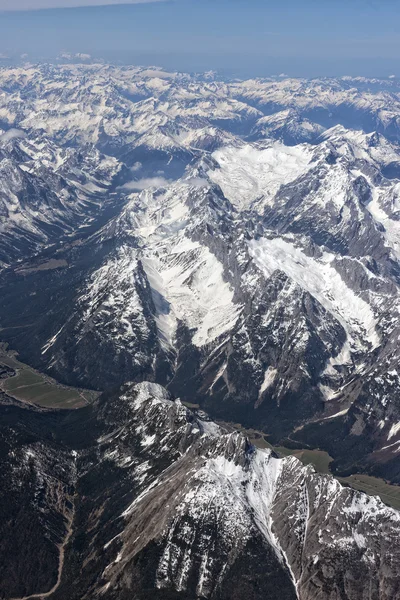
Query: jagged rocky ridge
x=157, y=503
x=275, y=307
x=257, y=278
x=48, y=193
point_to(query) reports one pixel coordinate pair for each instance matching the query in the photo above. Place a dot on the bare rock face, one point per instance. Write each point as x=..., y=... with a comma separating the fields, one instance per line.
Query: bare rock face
x=160, y=504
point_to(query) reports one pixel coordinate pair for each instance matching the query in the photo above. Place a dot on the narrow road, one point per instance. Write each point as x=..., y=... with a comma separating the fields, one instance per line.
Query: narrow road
x=60, y=563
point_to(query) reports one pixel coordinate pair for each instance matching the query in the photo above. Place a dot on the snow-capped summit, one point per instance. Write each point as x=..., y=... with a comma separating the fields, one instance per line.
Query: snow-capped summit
x=138, y=495
x=239, y=244
x=230, y=240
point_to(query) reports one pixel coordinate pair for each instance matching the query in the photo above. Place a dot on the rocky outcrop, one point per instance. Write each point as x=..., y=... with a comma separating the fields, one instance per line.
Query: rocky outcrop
x=166, y=505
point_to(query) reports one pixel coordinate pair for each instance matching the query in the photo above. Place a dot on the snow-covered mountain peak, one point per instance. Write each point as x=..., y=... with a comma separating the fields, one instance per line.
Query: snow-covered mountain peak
x=251, y=173
x=217, y=493
x=238, y=242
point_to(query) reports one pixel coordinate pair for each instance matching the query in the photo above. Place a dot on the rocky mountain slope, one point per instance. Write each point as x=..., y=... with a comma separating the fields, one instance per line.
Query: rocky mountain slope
x=243, y=247
x=49, y=193
x=136, y=497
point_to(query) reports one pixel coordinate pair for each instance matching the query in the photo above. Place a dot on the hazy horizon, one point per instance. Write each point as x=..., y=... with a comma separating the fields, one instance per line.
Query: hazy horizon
x=237, y=38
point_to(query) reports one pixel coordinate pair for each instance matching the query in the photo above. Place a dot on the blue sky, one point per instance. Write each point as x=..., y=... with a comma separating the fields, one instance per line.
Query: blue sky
x=244, y=38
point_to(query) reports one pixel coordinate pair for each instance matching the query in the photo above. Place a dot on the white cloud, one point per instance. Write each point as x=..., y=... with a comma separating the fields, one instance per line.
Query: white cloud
x=136, y=167
x=77, y=56
x=147, y=182
x=160, y=182
x=197, y=182
x=392, y=76
x=9, y=5
x=11, y=134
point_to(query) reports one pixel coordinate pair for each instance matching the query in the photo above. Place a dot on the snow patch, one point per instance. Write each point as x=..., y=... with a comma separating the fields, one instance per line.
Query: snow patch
x=246, y=173
x=320, y=279
x=395, y=428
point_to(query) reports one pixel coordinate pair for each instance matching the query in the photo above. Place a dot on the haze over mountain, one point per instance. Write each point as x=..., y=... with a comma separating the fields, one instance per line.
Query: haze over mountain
x=240, y=38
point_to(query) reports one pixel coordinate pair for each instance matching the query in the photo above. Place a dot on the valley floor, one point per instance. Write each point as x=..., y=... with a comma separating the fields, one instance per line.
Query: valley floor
x=33, y=387
x=30, y=386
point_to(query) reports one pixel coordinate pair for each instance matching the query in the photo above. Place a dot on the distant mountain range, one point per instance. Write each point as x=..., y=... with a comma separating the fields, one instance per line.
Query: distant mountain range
x=239, y=244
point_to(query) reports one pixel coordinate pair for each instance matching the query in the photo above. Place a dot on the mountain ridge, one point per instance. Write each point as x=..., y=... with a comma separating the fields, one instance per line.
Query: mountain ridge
x=238, y=244
x=159, y=489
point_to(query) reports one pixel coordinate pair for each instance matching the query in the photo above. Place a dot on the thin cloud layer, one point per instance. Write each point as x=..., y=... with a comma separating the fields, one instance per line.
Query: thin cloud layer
x=11, y=134
x=13, y=5
x=146, y=183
